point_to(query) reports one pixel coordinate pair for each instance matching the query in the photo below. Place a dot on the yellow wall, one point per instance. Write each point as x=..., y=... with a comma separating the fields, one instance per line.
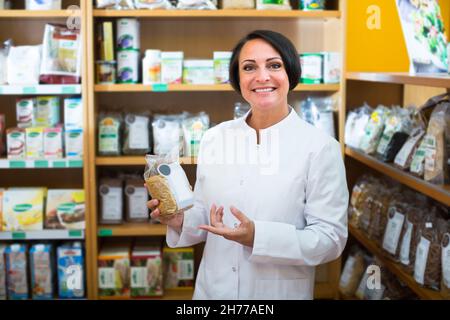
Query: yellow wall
x=383, y=49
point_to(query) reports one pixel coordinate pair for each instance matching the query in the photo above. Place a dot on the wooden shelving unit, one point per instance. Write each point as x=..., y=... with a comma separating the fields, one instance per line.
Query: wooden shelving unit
x=37, y=14
x=430, y=80
x=394, y=267
x=132, y=230
x=135, y=161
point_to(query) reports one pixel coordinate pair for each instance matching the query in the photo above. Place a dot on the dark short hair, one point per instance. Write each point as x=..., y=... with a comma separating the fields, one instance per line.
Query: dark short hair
x=281, y=44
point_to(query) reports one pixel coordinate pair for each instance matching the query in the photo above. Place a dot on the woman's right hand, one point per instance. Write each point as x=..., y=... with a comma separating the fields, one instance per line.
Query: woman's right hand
x=175, y=221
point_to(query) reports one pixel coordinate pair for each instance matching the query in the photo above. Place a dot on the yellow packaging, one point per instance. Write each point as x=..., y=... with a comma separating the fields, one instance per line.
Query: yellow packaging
x=34, y=143
x=107, y=50
x=65, y=209
x=23, y=209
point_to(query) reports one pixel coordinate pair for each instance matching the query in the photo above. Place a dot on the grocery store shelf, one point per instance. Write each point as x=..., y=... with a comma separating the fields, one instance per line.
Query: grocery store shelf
x=135, y=161
x=429, y=80
x=42, y=235
x=172, y=294
x=223, y=13
x=37, y=14
x=395, y=268
x=439, y=193
x=40, y=164
x=132, y=229
x=40, y=89
x=189, y=88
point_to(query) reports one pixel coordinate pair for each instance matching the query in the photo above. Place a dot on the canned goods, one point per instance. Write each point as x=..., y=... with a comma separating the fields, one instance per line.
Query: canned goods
x=128, y=66
x=128, y=36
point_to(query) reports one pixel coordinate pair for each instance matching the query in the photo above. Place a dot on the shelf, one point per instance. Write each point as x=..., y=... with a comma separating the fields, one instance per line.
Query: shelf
x=37, y=14
x=223, y=13
x=132, y=229
x=439, y=193
x=40, y=164
x=40, y=89
x=430, y=80
x=172, y=294
x=189, y=88
x=42, y=235
x=135, y=161
x=395, y=268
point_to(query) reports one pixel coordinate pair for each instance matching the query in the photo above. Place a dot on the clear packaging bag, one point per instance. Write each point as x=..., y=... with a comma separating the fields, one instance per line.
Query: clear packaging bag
x=136, y=136
x=197, y=5
x=194, y=127
x=153, y=4
x=109, y=140
x=23, y=65
x=167, y=133
x=374, y=130
x=355, y=124
x=167, y=182
x=238, y=4
x=352, y=272
x=319, y=113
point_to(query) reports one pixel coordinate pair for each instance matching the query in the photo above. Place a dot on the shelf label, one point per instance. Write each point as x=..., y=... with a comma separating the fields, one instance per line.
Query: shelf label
x=29, y=90
x=16, y=235
x=75, y=163
x=75, y=233
x=68, y=90
x=105, y=232
x=41, y=164
x=1, y=90
x=160, y=87
x=59, y=164
x=15, y=164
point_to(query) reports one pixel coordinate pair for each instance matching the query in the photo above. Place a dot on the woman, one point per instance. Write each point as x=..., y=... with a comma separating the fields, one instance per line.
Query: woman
x=271, y=194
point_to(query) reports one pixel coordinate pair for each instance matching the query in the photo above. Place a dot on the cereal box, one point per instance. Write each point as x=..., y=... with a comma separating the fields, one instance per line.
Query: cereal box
x=70, y=262
x=65, y=209
x=41, y=262
x=23, y=209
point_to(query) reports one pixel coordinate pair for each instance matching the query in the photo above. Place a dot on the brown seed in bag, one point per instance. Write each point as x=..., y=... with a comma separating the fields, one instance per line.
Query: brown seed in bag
x=158, y=188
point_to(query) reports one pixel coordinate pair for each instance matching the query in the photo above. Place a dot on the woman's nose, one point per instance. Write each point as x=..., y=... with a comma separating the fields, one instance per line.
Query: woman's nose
x=262, y=75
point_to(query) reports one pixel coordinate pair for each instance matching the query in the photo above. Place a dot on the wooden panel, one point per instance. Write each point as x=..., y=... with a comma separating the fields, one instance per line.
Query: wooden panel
x=418, y=95
x=372, y=93
x=54, y=178
x=135, y=161
x=430, y=80
x=134, y=229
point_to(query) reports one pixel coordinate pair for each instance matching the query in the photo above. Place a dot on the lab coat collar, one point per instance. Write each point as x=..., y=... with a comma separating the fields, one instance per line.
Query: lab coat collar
x=279, y=125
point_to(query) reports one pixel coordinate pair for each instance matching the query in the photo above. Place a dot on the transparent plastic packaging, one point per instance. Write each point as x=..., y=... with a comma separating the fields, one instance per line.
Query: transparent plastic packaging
x=197, y=5
x=355, y=125
x=109, y=138
x=240, y=109
x=111, y=201
x=374, y=130
x=167, y=133
x=194, y=127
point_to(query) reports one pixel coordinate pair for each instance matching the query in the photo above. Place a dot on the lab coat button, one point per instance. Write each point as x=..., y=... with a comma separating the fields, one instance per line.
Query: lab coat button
x=234, y=269
x=241, y=182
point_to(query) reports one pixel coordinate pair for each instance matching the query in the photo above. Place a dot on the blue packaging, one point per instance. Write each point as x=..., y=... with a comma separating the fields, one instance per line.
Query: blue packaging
x=70, y=261
x=41, y=262
x=16, y=272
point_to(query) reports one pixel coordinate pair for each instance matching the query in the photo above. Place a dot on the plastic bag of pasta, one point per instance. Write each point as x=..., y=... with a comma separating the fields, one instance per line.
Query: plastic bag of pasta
x=167, y=182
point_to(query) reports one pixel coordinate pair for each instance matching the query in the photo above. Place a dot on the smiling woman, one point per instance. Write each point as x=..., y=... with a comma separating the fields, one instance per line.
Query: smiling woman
x=270, y=205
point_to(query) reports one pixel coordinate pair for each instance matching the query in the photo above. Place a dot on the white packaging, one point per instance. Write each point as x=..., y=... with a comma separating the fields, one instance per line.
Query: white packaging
x=198, y=72
x=138, y=132
x=421, y=260
x=43, y=5
x=3, y=64
x=151, y=67
x=23, y=65
x=406, y=244
x=312, y=68
x=153, y=4
x=53, y=143
x=238, y=4
x=222, y=66
x=46, y=112
x=166, y=135
x=25, y=112
x=128, y=66
x=74, y=143
x=136, y=201
x=34, y=142
x=73, y=113
x=331, y=67
x=445, y=260
x=15, y=143
x=393, y=231
x=111, y=198
x=171, y=67
x=128, y=36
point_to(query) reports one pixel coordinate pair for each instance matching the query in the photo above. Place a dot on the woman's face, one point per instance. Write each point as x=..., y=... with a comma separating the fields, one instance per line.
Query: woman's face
x=263, y=79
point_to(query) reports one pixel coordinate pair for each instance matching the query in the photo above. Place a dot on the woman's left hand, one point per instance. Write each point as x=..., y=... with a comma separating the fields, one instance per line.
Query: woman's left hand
x=244, y=233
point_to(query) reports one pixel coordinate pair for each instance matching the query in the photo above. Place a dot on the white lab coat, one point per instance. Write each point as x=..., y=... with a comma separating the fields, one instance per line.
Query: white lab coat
x=297, y=200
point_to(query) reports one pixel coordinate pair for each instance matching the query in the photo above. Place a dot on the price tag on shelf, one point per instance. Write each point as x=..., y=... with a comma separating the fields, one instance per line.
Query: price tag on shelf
x=75, y=163
x=105, y=232
x=75, y=233
x=41, y=164
x=68, y=90
x=16, y=164
x=59, y=164
x=1, y=90
x=19, y=235
x=160, y=87
x=29, y=90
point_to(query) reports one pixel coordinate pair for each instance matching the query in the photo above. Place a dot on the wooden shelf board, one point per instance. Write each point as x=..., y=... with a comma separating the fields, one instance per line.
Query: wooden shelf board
x=135, y=161
x=62, y=163
x=222, y=13
x=394, y=267
x=431, y=80
x=210, y=87
x=36, y=14
x=42, y=235
x=182, y=294
x=323, y=290
x=439, y=193
x=132, y=229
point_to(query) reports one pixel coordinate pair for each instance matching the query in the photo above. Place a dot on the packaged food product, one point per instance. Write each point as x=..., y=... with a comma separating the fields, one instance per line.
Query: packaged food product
x=312, y=5
x=355, y=125
x=405, y=155
x=70, y=264
x=396, y=219
x=111, y=201
x=153, y=4
x=105, y=4
x=23, y=65
x=2, y=271
x=418, y=159
x=379, y=215
x=34, y=143
x=331, y=67
x=73, y=113
x=53, y=143
x=167, y=182
x=61, y=55
x=128, y=34
x=109, y=126
x=361, y=190
x=319, y=113
x=374, y=130
x=411, y=237
x=47, y=111
x=351, y=274
x=114, y=271
x=146, y=271
x=15, y=143
x=136, y=197
x=128, y=66
x=17, y=272
x=238, y=4
x=312, y=67
x=273, y=5
x=65, y=209
x=23, y=209
x=43, y=4
x=194, y=127
x=167, y=134
x=3, y=65
x=197, y=4
x=171, y=67
x=151, y=67
x=106, y=72
x=136, y=134
x=25, y=112
x=198, y=71
x=106, y=42
x=222, y=61
x=178, y=266
x=74, y=143
x=2, y=191
x=2, y=135
x=41, y=267
x=445, y=283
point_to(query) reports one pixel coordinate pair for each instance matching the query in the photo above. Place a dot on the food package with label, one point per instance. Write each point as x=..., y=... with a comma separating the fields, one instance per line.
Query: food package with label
x=2, y=270
x=61, y=55
x=312, y=5
x=172, y=67
x=2, y=192
x=374, y=130
x=445, y=245
x=115, y=4
x=194, y=127
x=41, y=270
x=197, y=4
x=34, y=143
x=109, y=126
x=153, y=4
x=167, y=134
x=25, y=112
x=73, y=113
x=70, y=264
x=146, y=271
x=404, y=157
x=222, y=63
x=273, y=5
x=198, y=71
x=397, y=214
x=136, y=197
x=136, y=137
x=23, y=209
x=74, y=143
x=352, y=272
x=16, y=272
x=151, y=67
x=411, y=236
x=331, y=67
x=2, y=135
x=178, y=266
x=238, y=4
x=114, y=270
x=65, y=209
x=53, y=143
x=167, y=182
x=128, y=34
x=111, y=201
x=23, y=65
x=43, y=4
x=355, y=124
x=15, y=143
x=3, y=65
x=46, y=112
x=319, y=113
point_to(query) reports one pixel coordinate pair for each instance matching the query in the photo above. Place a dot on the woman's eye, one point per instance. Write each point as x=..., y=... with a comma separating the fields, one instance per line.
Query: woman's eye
x=248, y=68
x=275, y=66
